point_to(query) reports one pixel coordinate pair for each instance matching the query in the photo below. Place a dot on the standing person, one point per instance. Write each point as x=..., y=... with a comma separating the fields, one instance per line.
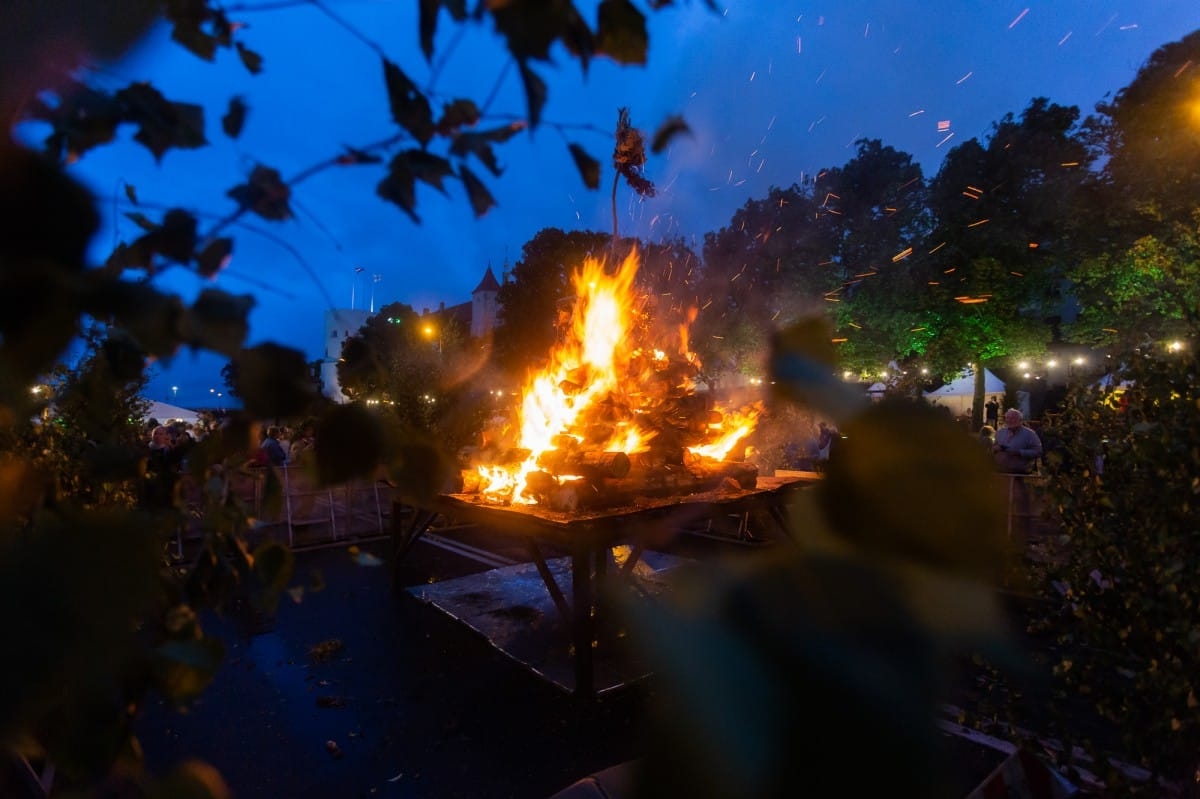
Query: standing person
x=275, y=454
x=304, y=443
x=285, y=442
x=827, y=441
x=1016, y=451
x=992, y=409
x=1017, y=447
x=162, y=469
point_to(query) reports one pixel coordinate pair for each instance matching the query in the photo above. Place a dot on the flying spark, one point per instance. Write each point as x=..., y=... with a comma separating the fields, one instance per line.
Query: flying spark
x=1020, y=17
x=963, y=79
x=1063, y=40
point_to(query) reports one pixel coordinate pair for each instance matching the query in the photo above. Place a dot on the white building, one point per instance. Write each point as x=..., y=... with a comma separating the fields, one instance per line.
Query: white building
x=340, y=324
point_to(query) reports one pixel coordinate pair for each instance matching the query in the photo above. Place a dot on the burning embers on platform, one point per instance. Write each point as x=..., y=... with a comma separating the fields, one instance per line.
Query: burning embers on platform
x=613, y=416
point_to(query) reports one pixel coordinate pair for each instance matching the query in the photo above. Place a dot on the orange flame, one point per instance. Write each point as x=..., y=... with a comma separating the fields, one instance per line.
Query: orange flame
x=599, y=367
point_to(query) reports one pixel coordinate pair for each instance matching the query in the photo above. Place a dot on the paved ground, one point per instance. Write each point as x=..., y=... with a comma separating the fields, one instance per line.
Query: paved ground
x=357, y=692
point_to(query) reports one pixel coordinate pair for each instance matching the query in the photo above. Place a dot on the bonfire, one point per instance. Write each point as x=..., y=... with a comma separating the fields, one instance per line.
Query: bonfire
x=612, y=416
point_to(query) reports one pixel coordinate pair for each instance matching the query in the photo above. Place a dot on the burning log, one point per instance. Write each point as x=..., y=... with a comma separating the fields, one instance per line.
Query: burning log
x=585, y=463
x=470, y=480
x=582, y=493
x=571, y=496
x=702, y=475
x=470, y=457
x=540, y=484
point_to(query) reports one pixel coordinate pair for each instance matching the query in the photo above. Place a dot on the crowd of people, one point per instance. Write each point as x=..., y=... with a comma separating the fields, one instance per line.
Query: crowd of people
x=168, y=445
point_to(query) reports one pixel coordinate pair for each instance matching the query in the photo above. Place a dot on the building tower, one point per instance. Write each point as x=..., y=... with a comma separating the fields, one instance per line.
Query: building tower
x=484, y=305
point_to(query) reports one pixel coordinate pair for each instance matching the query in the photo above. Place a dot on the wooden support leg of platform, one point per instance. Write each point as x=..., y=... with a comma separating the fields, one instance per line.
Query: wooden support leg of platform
x=582, y=629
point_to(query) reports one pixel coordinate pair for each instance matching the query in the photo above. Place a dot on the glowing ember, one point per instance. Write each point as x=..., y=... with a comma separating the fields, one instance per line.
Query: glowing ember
x=610, y=407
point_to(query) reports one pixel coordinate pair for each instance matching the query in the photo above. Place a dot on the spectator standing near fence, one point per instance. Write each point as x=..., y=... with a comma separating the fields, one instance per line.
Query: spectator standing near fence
x=275, y=454
x=304, y=443
x=1017, y=447
x=827, y=440
x=1016, y=451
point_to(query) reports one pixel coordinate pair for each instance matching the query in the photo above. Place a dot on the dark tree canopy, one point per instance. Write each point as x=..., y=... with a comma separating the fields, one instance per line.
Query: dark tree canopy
x=1150, y=134
x=771, y=264
x=877, y=209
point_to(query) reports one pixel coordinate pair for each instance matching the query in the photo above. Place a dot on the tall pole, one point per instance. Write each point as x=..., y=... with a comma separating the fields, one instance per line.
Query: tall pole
x=375, y=278
x=358, y=270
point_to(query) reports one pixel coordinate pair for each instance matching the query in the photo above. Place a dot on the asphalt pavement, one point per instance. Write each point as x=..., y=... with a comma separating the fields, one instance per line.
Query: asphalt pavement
x=359, y=691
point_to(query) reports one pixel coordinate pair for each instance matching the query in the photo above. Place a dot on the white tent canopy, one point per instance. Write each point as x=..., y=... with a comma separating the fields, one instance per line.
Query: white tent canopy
x=959, y=394
x=166, y=413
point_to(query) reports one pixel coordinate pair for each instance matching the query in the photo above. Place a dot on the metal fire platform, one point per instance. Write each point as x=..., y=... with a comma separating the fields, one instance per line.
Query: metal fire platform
x=589, y=537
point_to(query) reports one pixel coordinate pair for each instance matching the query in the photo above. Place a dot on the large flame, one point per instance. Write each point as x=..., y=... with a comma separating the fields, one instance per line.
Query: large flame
x=597, y=366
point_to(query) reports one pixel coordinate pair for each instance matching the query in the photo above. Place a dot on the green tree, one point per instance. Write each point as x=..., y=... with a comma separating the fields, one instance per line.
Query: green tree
x=1007, y=228
x=1121, y=599
x=422, y=372
x=90, y=435
x=1146, y=294
x=877, y=208
x=1150, y=136
x=1141, y=286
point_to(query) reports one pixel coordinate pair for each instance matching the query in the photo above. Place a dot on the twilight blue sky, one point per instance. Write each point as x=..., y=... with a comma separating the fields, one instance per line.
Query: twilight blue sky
x=772, y=89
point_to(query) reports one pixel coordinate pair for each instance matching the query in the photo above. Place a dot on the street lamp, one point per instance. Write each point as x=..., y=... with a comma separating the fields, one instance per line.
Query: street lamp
x=429, y=332
x=174, y=393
